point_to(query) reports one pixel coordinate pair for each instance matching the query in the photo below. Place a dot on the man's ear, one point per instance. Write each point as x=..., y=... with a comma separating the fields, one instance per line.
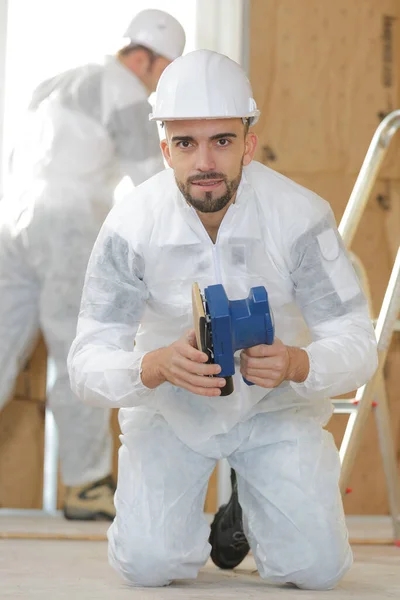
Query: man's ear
x=250, y=146
x=166, y=151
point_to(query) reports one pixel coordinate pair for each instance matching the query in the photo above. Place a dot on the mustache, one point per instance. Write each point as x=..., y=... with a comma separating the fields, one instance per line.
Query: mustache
x=205, y=177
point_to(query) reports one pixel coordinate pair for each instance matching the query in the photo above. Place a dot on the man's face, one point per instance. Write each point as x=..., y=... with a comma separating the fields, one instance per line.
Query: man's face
x=207, y=157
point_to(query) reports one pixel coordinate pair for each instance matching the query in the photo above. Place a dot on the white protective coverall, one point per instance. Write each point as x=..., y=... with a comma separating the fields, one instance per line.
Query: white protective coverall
x=85, y=129
x=150, y=250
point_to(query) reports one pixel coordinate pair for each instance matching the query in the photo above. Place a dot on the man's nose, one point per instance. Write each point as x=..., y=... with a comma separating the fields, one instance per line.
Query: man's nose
x=205, y=159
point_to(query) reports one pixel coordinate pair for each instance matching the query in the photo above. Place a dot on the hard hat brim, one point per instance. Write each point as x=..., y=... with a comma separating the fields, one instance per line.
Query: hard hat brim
x=254, y=116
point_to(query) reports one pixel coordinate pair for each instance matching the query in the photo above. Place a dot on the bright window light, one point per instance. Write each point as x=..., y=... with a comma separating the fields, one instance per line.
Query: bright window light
x=46, y=37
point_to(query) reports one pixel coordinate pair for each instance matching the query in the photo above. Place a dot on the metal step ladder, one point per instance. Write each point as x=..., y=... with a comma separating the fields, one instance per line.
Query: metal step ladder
x=372, y=396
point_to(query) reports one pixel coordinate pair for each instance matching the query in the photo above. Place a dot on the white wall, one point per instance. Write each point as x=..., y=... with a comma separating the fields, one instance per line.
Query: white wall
x=3, y=37
x=220, y=27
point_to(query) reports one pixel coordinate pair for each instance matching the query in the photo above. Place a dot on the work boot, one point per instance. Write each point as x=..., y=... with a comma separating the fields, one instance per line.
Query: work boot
x=91, y=502
x=229, y=545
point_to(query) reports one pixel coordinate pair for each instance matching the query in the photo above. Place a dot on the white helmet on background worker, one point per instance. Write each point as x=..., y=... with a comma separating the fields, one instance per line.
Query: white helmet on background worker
x=158, y=31
x=204, y=85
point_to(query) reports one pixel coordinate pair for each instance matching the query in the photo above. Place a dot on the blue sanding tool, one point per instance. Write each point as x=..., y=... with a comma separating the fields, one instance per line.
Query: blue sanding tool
x=224, y=326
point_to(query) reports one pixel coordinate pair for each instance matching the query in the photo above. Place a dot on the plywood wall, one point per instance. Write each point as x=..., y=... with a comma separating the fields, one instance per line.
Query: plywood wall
x=331, y=68
x=324, y=74
x=22, y=437
x=22, y=441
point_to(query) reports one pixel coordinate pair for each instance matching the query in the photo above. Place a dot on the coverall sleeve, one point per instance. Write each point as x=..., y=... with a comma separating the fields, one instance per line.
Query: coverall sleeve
x=343, y=354
x=136, y=141
x=103, y=365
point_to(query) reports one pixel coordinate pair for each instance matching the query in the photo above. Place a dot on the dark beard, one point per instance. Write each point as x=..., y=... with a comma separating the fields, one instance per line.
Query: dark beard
x=210, y=204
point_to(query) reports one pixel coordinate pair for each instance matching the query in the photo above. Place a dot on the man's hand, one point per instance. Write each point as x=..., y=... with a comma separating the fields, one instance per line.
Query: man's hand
x=183, y=365
x=267, y=366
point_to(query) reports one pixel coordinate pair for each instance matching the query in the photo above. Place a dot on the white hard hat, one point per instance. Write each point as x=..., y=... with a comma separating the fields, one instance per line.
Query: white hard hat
x=204, y=85
x=158, y=31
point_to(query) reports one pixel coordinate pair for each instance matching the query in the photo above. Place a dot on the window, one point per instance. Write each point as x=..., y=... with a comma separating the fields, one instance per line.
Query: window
x=45, y=37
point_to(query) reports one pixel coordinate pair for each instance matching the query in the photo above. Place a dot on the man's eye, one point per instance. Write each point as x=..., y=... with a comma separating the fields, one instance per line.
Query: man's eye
x=223, y=142
x=184, y=144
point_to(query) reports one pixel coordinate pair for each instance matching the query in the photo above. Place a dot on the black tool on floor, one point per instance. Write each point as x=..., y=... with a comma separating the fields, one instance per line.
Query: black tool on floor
x=229, y=545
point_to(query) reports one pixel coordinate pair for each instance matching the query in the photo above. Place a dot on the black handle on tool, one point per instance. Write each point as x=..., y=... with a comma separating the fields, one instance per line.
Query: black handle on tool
x=228, y=387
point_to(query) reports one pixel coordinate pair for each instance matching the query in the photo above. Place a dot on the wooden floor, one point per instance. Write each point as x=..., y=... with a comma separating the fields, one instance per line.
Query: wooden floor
x=53, y=569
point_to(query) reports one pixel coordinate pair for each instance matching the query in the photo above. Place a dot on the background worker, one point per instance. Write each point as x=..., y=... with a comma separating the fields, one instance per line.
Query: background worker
x=85, y=129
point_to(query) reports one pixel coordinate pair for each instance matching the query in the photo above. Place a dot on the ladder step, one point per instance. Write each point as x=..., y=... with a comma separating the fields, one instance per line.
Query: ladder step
x=348, y=406
x=345, y=406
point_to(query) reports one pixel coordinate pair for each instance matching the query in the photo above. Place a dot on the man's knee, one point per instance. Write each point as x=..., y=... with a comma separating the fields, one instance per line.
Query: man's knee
x=324, y=574
x=140, y=566
x=151, y=564
x=319, y=571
